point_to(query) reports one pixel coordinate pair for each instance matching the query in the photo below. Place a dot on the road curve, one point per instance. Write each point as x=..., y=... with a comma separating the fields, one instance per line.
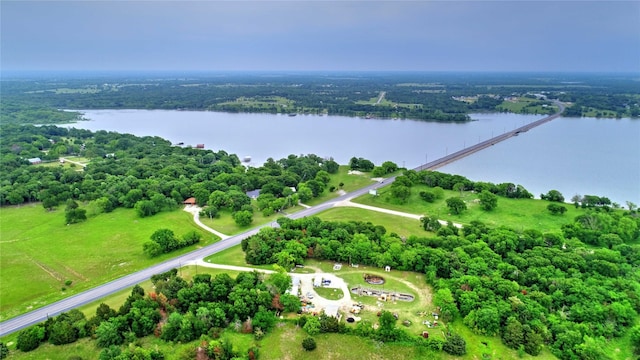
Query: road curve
x=41, y=314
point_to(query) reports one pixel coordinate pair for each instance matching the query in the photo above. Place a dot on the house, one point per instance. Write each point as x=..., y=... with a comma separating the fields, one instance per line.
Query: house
x=253, y=193
x=34, y=161
x=190, y=201
x=199, y=146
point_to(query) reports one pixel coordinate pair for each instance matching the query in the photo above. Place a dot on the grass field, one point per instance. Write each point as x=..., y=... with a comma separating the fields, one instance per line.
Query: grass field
x=519, y=214
x=39, y=253
x=263, y=102
x=524, y=105
x=394, y=224
x=351, y=182
x=226, y=225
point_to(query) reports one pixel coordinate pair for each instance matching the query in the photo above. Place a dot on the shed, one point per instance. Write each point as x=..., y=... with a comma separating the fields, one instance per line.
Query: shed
x=34, y=161
x=190, y=201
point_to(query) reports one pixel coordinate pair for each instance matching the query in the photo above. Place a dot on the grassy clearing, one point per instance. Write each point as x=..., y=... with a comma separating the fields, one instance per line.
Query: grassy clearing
x=515, y=213
x=285, y=342
x=264, y=102
x=495, y=349
x=394, y=224
x=37, y=245
x=233, y=256
x=524, y=105
x=329, y=293
x=350, y=183
x=226, y=225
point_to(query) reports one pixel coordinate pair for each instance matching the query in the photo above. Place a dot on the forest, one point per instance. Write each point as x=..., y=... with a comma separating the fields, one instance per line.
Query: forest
x=37, y=98
x=147, y=174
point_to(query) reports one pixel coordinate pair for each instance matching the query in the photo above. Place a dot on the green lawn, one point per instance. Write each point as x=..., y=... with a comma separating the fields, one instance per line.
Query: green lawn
x=226, y=225
x=514, y=213
x=394, y=224
x=524, y=105
x=37, y=245
x=350, y=183
x=233, y=256
x=330, y=293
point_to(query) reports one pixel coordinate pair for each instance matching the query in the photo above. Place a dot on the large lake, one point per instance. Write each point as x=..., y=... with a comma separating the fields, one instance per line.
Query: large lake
x=575, y=156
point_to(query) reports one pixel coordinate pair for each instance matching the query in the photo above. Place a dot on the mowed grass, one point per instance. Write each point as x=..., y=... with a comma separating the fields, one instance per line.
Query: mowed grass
x=519, y=214
x=233, y=256
x=39, y=253
x=350, y=183
x=227, y=225
x=285, y=342
x=402, y=226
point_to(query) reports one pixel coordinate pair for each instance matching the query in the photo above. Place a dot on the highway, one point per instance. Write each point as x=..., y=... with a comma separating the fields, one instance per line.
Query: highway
x=91, y=295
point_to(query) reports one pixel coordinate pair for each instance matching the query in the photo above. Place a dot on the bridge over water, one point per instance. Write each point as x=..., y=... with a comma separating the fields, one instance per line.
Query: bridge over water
x=490, y=142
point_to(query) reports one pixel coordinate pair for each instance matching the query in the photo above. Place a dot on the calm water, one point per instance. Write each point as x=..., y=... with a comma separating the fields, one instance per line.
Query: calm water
x=570, y=155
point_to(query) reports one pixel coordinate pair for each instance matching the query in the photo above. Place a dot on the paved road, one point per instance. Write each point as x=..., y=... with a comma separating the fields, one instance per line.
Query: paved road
x=41, y=314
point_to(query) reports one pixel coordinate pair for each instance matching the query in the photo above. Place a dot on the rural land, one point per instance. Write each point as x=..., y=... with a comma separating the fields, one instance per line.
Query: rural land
x=146, y=249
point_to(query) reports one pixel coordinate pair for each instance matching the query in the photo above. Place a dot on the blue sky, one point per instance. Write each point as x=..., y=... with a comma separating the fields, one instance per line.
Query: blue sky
x=321, y=35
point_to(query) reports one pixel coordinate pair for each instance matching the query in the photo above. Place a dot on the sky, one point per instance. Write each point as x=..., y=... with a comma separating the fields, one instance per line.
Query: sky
x=565, y=36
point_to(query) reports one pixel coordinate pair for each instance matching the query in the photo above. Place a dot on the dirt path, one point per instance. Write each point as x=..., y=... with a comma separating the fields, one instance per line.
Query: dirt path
x=388, y=211
x=195, y=211
x=73, y=162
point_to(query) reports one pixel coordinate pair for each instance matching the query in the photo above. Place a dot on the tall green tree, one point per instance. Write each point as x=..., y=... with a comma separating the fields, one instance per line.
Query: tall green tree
x=488, y=201
x=456, y=205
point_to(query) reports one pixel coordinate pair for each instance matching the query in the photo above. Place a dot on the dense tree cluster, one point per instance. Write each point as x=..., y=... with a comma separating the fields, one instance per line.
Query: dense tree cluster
x=164, y=241
x=528, y=287
x=147, y=174
x=177, y=311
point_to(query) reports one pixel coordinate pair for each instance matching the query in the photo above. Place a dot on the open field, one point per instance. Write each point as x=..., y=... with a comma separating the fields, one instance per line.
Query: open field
x=523, y=105
x=262, y=102
x=350, y=183
x=37, y=245
x=394, y=224
x=226, y=225
x=519, y=214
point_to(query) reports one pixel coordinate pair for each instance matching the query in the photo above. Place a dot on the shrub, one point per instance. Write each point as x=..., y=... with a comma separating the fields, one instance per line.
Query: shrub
x=556, y=209
x=30, y=338
x=455, y=345
x=309, y=344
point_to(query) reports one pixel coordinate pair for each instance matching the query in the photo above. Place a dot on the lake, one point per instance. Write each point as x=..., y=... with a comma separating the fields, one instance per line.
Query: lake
x=567, y=154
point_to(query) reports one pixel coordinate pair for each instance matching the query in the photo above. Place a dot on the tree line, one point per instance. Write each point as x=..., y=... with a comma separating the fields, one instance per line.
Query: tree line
x=176, y=311
x=420, y=96
x=147, y=174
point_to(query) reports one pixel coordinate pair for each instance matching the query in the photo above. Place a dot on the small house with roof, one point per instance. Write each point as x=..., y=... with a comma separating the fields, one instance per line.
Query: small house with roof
x=190, y=201
x=34, y=161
